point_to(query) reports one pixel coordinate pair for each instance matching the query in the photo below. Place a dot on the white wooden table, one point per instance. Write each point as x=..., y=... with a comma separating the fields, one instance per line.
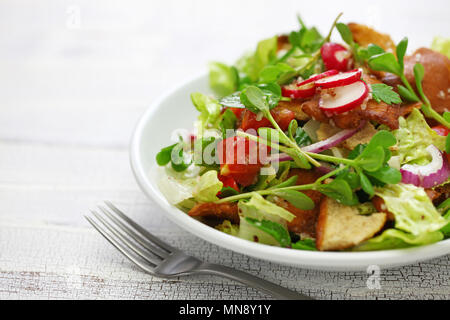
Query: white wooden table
x=74, y=78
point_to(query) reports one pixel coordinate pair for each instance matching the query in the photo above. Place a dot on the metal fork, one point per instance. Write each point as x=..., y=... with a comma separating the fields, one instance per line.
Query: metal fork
x=157, y=258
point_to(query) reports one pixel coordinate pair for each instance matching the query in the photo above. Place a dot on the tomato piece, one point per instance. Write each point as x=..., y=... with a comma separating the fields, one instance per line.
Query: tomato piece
x=237, y=111
x=250, y=121
x=239, y=159
x=441, y=130
x=282, y=116
x=228, y=182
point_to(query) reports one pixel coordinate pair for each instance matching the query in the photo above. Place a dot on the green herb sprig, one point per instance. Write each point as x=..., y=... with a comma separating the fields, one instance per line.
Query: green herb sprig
x=366, y=166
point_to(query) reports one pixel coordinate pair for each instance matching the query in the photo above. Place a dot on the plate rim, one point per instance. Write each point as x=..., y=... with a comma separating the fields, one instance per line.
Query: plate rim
x=317, y=260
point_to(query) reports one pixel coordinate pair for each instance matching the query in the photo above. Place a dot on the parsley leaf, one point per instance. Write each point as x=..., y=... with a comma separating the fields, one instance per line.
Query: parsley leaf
x=385, y=93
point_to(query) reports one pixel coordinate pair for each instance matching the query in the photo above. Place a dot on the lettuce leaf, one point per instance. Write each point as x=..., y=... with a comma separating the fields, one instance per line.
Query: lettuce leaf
x=276, y=230
x=207, y=187
x=223, y=79
x=252, y=64
x=209, y=109
x=261, y=209
x=397, y=239
x=413, y=210
x=229, y=228
x=414, y=136
x=441, y=45
x=263, y=221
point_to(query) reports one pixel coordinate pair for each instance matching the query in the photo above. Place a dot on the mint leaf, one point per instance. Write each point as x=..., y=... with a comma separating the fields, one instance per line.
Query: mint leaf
x=385, y=93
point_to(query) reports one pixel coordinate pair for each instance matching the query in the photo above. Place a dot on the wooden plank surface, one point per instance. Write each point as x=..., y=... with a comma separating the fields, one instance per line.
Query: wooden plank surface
x=71, y=95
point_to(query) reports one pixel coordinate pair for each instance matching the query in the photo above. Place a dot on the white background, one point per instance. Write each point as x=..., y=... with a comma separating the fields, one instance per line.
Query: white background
x=74, y=78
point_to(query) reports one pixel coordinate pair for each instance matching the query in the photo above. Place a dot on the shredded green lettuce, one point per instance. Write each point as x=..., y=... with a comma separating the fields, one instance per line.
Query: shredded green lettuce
x=261, y=209
x=397, y=239
x=229, y=228
x=252, y=64
x=414, y=136
x=413, y=210
x=223, y=79
x=441, y=45
x=209, y=109
x=207, y=187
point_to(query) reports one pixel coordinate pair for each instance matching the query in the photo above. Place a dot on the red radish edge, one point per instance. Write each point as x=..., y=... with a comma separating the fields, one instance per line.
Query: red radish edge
x=339, y=80
x=299, y=92
x=430, y=175
x=329, y=104
x=325, y=74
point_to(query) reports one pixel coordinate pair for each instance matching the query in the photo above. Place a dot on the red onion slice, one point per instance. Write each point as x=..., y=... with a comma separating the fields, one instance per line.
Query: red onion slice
x=333, y=141
x=320, y=146
x=430, y=175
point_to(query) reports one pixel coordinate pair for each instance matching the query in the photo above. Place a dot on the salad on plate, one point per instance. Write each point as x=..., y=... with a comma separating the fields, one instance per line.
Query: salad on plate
x=310, y=144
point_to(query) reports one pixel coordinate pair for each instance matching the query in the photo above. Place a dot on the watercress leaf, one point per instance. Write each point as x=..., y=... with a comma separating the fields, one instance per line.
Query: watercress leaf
x=276, y=230
x=446, y=116
x=374, y=49
x=385, y=62
x=179, y=162
x=292, y=129
x=356, y=151
x=302, y=138
x=296, y=198
x=387, y=175
x=254, y=99
x=295, y=38
x=232, y=101
x=339, y=190
x=311, y=40
x=385, y=93
x=305, y=244
x=401, y=51
x=273, y=73
x=272, y=93
x=351, y=177
x=164, y=156
x=272, y=136
x=228, y=192
x=419, y=73
x=371, y=159
x=228, y=122
x=299, y=159
x=223, y=79
x=345, y=33
x=406, y=94
x=382, y=138
x=292, y=181
x=366, y=185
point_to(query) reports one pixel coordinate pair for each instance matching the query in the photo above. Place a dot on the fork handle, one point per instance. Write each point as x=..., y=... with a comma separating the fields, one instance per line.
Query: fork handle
x=273, y=289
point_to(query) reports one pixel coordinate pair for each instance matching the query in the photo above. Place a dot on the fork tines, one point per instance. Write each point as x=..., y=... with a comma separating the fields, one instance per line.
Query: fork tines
x=137, y=244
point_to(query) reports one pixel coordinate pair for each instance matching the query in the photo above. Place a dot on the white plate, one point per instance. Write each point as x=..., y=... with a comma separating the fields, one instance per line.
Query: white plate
x=174, y=110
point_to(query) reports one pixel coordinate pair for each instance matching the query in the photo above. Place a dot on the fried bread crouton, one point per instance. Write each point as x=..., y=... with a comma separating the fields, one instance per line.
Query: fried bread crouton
x=364, y=35
x=304, y=222
x=341, y=227
x=225, y=211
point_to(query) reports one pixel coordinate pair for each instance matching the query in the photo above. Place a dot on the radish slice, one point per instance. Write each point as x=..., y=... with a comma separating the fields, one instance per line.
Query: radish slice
x=333, y=141
x=335, y=56
x=318, y=77
x=342, y=99
x=340, y=80
x=430, y=175
x=295, y=92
